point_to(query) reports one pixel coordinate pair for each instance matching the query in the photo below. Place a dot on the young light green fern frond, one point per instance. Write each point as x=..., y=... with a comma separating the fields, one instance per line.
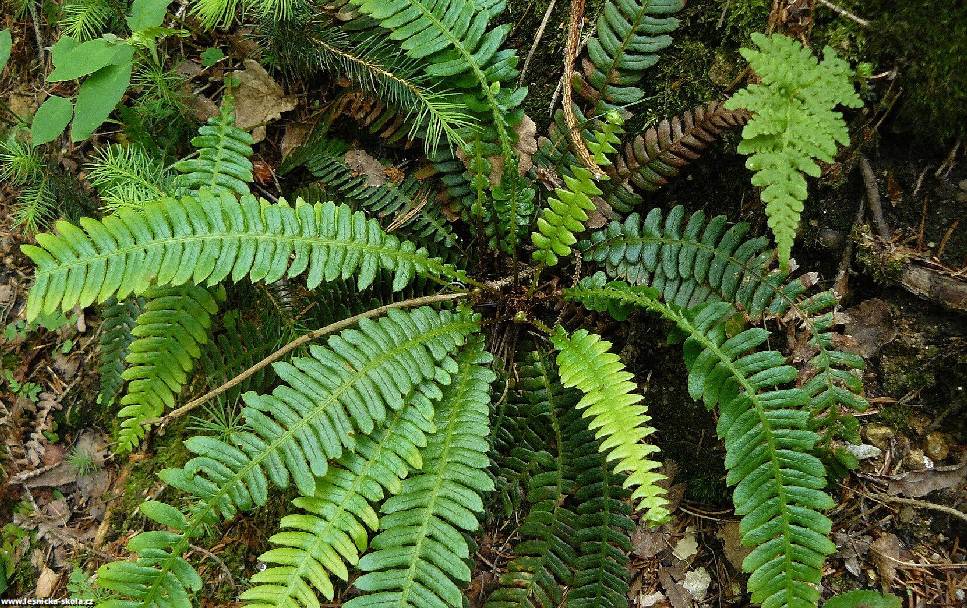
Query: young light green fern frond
x=418, y=557
x=793, y=125
x=615, y=413
x=568, y=209
x=209, y=238
x=127, y=177
x=332, y=528
x=169, y=333
x=768, y=440
x=564, y=216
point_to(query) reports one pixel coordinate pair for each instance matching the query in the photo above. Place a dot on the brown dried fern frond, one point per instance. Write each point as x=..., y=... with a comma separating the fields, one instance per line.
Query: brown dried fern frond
x=652, y=158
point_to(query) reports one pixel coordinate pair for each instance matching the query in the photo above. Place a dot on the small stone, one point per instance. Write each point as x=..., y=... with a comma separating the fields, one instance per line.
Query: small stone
x=864, y=451
x=879, y=435
x=915, y=460
x=697, y=582
x=831, y=239
x=919, y=423
x=936, y=446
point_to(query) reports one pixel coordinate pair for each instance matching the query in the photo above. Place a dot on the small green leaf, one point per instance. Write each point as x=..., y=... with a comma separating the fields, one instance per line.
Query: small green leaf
x=84, y=58
x=6, y=43
x=863, y=599
x=147, y=13
x=51, y=119
x=211, y=56
x=62, y=48
x=97, y=97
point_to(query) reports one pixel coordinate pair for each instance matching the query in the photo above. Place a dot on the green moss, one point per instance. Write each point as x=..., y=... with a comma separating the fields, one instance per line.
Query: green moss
x=924, y=42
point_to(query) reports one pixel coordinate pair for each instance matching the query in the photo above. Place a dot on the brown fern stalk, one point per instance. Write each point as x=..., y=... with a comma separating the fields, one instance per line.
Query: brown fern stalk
x=652, y=158
x=570, y=54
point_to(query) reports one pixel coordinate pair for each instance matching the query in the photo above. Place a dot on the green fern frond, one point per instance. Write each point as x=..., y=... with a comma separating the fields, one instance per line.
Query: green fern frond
x=170, y=331
x=628, y=37
x=616, y=416
x=209, y=238
x=418, y=557
x=768, y=440
x=118, y=321
x=602, y=532
x=222, y=164
x=568, y=209
x=543, y=558
x=402, y=206
x=326, y=402
x=704, y=260
x=564, y=216
x=333, y=526
x=793, y=124
x=86, y=19
x=128, y=177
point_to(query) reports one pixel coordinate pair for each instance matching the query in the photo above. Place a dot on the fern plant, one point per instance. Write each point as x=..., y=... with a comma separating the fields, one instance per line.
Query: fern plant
x=405, y=397
x=793, y=124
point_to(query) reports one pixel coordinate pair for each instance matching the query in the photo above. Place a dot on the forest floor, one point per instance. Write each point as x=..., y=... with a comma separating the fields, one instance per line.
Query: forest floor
x=900, y=524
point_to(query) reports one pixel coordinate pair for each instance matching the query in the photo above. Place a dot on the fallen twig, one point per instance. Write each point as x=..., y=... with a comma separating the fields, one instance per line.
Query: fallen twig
x=301, y=340
x=845, y=13
x=537, y=40
x=570, y=54
x=873, y=196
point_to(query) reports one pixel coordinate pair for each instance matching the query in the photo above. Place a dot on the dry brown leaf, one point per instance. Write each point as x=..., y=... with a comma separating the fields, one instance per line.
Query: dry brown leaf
x=732, y=545
x=364, y=165
x=46, y=583
x=916, y=484
x=258, y=99
x=871, y=325
x=886, y=553
x=677, y=595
